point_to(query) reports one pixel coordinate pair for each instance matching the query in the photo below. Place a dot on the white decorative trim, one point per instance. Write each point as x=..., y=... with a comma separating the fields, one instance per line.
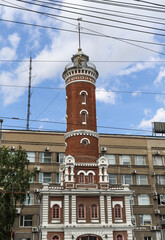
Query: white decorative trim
x=81, y=141
x=56, y=202
x=82, y=171
x=117, y=202
x=84, y=110
x=91, y=172
x=86, y=164
x=83, y=91
x=81, y=132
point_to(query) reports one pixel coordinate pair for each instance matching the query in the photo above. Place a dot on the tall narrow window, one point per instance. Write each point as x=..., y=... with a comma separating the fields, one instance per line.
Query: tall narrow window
x=81, y=211
x=94, y=211
x=84, y=117
x=83, y=95
x=56, y=211
x=90, y=178
x=117, y=211
x=82, y=178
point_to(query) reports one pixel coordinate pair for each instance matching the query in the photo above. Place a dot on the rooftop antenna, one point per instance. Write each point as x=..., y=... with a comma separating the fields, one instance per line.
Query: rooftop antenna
x=29, y=94
x=79, y=33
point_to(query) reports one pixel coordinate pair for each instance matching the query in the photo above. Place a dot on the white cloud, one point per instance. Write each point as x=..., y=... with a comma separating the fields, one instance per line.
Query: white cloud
x=160, y=77
x=158, y=117
x=147, y=111
x=106, y=96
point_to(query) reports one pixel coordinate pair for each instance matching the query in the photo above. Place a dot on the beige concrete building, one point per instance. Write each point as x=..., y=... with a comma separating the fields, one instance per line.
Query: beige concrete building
x=134, y=160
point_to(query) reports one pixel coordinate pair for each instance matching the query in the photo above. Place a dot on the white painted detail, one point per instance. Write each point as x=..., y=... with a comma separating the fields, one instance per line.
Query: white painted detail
x=117, y=202
x=56, y=202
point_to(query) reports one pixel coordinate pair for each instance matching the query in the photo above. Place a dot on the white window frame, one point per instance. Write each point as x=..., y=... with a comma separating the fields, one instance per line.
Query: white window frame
x=160, y=179
x=45, y=159
x=125, y=159
x=125, y=178
x=31, y=156
x=111, y=158
x=140, y=160
x=162, y=199
x=143, y=199
x=60, y=157
x=145, y=220
x=141, y=179
x=23, y=220
x=158, y=160
x=29, y=199
x=112, y=177
x=43, y=177
x=148, y=238
x=57, y=177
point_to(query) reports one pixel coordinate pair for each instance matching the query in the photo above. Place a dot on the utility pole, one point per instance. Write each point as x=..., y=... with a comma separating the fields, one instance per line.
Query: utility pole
x=29, y=94
x=1, y=135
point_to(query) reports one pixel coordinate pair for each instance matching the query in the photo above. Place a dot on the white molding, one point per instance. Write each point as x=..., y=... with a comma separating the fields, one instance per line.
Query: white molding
x=81, y=132
x=85, y=139
x=83, y=91
x=84, y=110
x=117, y=202
x=56, y=202
x=82, y=171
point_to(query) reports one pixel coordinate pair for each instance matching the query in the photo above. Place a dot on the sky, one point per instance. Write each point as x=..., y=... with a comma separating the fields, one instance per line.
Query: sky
x=125, y=41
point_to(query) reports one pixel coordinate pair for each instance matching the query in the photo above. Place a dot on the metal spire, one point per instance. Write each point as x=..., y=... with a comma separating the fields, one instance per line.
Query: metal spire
x=79, y=33
x=29, y=94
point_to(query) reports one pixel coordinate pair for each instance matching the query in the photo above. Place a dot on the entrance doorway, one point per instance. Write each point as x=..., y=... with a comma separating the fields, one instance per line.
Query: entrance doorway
x=89, y=237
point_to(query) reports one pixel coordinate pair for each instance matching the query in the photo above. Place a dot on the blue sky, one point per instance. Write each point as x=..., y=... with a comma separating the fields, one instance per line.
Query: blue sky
x=129, y=75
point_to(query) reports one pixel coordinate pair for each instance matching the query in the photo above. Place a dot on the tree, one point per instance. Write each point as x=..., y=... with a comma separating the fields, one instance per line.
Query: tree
x=14, y=184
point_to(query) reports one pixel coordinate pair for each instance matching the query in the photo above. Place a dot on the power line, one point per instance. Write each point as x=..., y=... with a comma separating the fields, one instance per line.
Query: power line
x=97, y=90
x=151, y=3
x=54, y=122
x=123, y=28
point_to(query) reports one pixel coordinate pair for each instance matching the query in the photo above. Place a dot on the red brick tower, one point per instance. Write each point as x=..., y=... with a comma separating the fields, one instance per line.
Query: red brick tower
x=81, y=137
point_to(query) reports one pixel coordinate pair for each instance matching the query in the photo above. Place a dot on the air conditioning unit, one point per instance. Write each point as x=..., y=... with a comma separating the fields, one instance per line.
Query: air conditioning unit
x=47, y=149
x=158, y=228
x=155, y=197
x=157, y=152
x=37, y=168
x=18, y=210
x=155, y=193
x=12, y=148
x=134, y=171
x=36, y=190
x=157, y=211
x=103, y=149
x=153, y=228
x=35, y=229
x=153, y=173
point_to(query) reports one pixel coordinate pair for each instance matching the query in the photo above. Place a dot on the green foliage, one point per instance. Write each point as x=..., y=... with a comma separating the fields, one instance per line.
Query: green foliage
x=14, y=184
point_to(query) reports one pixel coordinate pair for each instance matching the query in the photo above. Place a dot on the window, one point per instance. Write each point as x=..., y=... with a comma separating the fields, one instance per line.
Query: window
x=83, y=96
x=31, y=156
x=125, y=159
x=143, y=199
x=81, y=178
x=158, y=160
x=162, y=217
x=126, y=179
x=112, y=178
x=141, y=180
x=140, y=160
x=147, y=238
x=111, y=158
x=60, y=157
x=90, y=178
x=56, y=211
x=145, y=219
x=57, y=178
x=160, y=180
x=161, y=199
x=94, y=211
x=55, y=237
x=26, y=239
x=45, y=177
x=45, y=157
x=26, y=221
x=84, y=117
x=119, y=237
x=29, y=199
x=117, y=211
x=81, y=211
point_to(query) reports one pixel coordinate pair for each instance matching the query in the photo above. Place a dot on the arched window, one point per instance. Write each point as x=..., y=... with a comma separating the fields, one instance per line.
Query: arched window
x=81, y=211
x=94, y=211
x=84, y=117
x=117, y=211
x=82, y=178
x=55, y=237
x=90, y=178
x=56, y=211
x=83, y=94
x=119, y=237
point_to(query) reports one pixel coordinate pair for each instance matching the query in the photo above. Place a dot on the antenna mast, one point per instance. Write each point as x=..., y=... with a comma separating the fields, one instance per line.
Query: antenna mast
x=79, y=33
x=29, y=94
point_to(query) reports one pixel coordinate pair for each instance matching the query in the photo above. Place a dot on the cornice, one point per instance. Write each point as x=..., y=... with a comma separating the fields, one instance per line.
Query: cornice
x=81, y=132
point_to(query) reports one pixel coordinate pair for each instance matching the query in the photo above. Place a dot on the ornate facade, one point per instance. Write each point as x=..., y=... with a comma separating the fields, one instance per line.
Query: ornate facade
x=84, y=206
